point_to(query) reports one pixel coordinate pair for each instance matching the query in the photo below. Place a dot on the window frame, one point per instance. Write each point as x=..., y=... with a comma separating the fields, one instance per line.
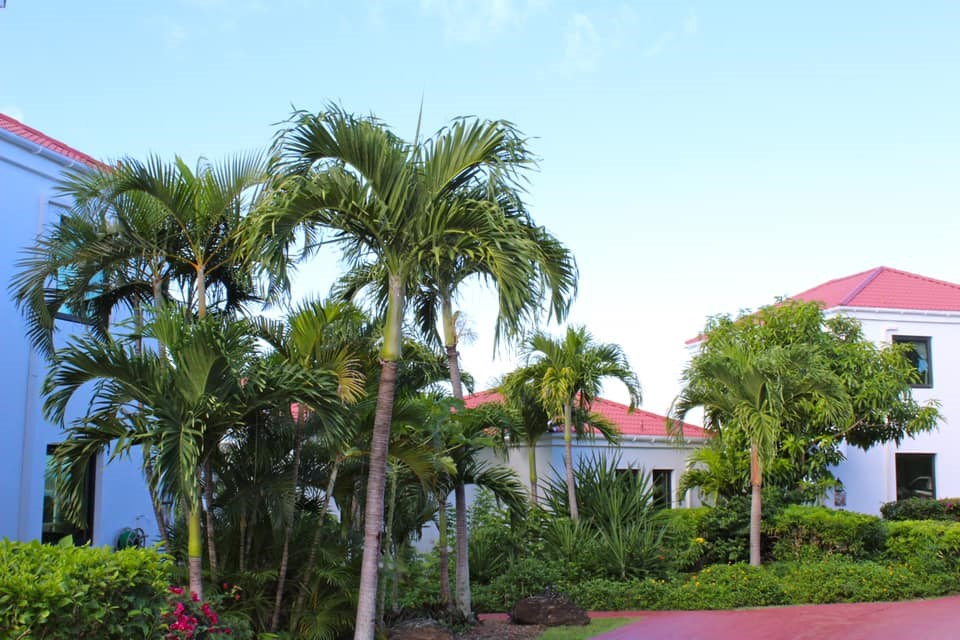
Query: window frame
x=667, y=502
x=928, y=341
x=80, y=536
x=912, y=458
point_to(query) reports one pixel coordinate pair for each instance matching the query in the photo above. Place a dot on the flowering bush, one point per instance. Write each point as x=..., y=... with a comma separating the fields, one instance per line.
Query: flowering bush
x=190, y=619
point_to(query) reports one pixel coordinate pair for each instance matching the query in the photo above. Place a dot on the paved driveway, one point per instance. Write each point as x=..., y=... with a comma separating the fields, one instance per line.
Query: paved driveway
x=915, y=620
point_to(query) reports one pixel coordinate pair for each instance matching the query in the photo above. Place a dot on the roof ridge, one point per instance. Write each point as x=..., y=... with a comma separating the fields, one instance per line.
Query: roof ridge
x=872, y=275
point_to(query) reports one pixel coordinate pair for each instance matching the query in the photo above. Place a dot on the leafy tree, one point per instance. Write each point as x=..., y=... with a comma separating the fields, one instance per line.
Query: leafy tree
x=794, y=385
x=386, y=202
x=568, y=375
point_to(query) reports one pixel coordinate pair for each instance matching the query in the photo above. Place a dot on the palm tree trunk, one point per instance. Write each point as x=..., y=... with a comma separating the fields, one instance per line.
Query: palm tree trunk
x=444, y=555
x=195, y=551
x=568, y=461
x=155, y=499
x=308, y=567
x=532, y=463
x=460, y=500
x=463, y=557
x=211, y=526
x=755, y=505
x=288, y=526
x=388, y=551
x=243, y=539
x=365, y=626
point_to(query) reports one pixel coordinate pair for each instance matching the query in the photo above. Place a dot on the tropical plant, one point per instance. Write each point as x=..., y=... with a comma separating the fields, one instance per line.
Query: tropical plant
x=757, y=392
x=386, y=202
x=568, y=375
x=182, y=404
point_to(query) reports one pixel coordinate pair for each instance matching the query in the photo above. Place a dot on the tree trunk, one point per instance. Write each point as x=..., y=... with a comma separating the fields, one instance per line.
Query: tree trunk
x=211, y=525
x=365, y=627
x=387, y=552
x=195, y=551
x=290, y=511
x=532, y=463
x=464, y=605
x=243, y=539
x=373, y=513
x=442, y=543
x=308, y=567
x=755, y=506
x=568, y=461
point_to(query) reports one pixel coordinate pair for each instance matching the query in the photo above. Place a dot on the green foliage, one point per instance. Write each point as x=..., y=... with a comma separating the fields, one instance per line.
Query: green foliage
x=66, y=592
x=726, y=527
x=810, y=532
x=603, y=594
x=922, y=509
x=522, y=578
x=925, y=544
x=835, y=579
x=592, y=630
x=729, y=587
x=875, y=382
x=685, y=536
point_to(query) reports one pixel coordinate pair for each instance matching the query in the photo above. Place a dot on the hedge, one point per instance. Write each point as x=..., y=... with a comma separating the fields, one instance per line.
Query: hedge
x=813, y=532
x=922, y=509
x=64, y=592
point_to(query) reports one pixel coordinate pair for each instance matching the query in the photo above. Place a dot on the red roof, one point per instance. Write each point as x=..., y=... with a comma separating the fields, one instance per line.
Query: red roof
x=635, y=423
x=886, y=288
x=29, y=133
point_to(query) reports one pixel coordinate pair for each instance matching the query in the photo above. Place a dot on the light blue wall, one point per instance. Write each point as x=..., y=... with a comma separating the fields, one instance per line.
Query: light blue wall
x=28, y=175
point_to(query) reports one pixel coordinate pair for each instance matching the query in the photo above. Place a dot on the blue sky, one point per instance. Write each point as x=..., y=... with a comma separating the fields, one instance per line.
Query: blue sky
x=698, y=158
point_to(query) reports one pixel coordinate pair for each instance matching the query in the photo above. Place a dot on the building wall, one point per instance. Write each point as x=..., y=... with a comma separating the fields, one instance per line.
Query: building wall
x=28, y=175
x=870, y=477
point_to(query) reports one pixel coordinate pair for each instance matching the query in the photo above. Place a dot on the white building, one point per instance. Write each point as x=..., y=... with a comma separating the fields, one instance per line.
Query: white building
x=896, y=306
x=646, y=444
x=31, y=164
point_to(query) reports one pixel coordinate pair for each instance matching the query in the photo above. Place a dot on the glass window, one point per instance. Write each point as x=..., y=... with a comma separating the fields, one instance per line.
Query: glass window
x=660, y=478
x=920, y=358
x=55, y=524
x=915, y=477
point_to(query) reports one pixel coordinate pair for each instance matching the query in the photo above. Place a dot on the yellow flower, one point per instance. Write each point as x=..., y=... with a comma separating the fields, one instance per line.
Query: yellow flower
x=699, y=540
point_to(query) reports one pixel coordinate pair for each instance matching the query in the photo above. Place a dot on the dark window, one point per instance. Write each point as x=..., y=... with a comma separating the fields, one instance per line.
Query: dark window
x=915, y=476
x=920, y=358
x=660, y=479
x=56, y=526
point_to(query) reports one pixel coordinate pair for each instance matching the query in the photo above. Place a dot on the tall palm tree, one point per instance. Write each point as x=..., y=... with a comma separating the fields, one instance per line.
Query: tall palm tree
x=755, y=392
x=568, y=375
x=353, y=182
x=208, y=383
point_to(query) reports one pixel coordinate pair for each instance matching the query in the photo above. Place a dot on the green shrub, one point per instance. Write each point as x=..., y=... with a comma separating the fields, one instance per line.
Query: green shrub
x=520, y=579
x=812, y=532
x=729, y=587
x=922, y=509
x=842, y=580
x=928, y=545
x=685, y=536
x=726, y=527
x=66, y=592
x=600, y=594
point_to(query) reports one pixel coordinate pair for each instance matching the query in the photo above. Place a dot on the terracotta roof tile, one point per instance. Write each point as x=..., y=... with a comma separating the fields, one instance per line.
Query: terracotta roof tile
x=636, y=423
x=32, y=135
x=886, y=288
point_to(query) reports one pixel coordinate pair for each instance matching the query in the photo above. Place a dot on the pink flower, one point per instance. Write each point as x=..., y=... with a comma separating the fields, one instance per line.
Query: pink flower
x=177, y=590
x=194, y=596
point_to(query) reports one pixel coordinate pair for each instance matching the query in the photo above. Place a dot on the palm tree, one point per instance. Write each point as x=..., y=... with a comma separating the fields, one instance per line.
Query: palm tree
x=532, y=421
x=208, y=383
x=312, y=337
x=568, y=375
x=755, y=392
x=385, y=201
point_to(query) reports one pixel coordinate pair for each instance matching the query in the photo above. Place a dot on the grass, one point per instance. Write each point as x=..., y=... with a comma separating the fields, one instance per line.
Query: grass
x=595, y=628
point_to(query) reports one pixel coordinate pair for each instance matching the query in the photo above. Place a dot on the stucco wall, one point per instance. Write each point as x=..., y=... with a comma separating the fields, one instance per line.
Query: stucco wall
x=27, y=188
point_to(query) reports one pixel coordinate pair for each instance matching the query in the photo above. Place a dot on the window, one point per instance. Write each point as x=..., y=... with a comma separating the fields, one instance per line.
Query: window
x=66, y=276
x=919, y=357
x=55, y=524
x=915, y=476
x=660, y=479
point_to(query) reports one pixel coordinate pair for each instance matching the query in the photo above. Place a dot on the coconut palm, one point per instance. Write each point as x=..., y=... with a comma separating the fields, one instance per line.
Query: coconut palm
x=208, y=383
x=568, y=375
x=385, y=201
x=755, y=392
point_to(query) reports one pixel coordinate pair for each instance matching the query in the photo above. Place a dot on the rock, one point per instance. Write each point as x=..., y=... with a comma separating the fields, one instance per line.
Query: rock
x=551, y=610
x=422, y=629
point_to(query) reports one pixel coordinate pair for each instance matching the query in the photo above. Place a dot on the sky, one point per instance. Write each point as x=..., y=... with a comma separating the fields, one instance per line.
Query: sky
x=697, y=158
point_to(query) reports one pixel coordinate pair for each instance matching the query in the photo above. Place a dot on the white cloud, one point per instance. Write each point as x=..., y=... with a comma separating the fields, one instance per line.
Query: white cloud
x=475, y=20
x=582, y=43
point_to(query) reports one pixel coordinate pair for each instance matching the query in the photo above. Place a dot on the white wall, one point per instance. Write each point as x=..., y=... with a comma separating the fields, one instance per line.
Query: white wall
x=870, y=477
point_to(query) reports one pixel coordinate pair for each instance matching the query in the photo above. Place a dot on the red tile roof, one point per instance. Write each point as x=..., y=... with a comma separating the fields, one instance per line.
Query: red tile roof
x=636, y=423
x=32, y=135
x=886, y=288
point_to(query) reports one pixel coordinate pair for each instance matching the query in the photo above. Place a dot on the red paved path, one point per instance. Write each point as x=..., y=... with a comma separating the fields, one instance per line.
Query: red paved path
x=915, y=620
